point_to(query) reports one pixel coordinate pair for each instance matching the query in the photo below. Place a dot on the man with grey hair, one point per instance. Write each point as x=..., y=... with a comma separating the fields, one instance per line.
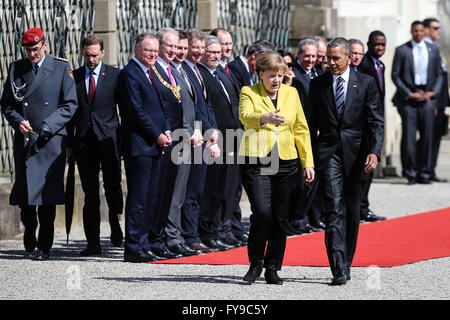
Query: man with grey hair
x=357, y=53
x=307, y=216
x=145, y=132
x=243, y=67
x=218, y=203
x=344, y=110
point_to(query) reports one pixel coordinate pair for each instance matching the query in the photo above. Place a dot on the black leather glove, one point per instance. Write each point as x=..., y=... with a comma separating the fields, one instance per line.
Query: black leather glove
x=30, y=144
x=44, y=135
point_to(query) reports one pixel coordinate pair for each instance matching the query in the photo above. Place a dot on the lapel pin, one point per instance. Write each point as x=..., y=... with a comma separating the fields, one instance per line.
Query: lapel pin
x=103, y=74
x=355, y=86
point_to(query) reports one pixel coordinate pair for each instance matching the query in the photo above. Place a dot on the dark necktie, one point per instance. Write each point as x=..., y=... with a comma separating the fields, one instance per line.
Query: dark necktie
x=36, y=68
x=91, y=86
x=380, y=75
x=339, y=95
x=185, y=77
x=152, y=82
x=217, y=77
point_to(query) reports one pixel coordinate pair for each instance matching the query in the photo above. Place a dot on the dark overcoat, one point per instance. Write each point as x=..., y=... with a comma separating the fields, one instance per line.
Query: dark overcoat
x=48, y=96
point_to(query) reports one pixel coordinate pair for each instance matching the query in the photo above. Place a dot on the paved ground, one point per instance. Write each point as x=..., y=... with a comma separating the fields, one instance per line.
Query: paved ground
x=67, y=276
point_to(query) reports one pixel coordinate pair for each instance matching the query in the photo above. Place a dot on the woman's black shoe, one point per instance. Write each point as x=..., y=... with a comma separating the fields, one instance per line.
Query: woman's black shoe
x=253, y=273
x=271, y=276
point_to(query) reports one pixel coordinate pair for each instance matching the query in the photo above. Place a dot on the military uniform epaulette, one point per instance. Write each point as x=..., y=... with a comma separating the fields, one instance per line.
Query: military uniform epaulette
x=61, y=59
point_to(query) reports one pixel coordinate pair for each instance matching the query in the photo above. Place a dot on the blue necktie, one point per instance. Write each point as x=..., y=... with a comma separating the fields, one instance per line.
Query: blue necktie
x=339, y=95
x=217, y=77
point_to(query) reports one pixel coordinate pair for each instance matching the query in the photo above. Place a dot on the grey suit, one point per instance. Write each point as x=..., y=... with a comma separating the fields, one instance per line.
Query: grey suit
x=416, y=156
x=189, y=101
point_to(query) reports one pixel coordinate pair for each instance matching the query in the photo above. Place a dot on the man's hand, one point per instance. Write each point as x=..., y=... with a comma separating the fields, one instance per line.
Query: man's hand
x=428, y=95
x=164, y=140
x=215, y=151
x=25, y=127
x=371, y=162
x=417, y=96
x=213, y=139
x=197, y=139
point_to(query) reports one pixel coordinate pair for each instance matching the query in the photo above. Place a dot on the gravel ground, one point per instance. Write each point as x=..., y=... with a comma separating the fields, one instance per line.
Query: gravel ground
x=69, y=277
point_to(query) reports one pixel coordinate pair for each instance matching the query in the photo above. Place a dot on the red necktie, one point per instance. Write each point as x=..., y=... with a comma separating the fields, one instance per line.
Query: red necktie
x=227, y=69
x=153, y=82
x=91, y=86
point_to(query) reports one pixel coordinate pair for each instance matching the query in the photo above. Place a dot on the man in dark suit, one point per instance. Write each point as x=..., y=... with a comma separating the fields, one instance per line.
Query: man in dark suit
x=218, y=203
x=197, y=174
x=145, y=132
x=94, y=142
x=373, y=66
x=417, y=74
x=432, y=35
x=308, y=209
x=38, y=100
x=244, y=67
x=344, y=109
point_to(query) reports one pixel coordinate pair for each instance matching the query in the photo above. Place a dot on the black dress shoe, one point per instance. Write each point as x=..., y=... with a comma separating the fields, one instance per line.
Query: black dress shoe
x=411, y=181
x=253, y=273
x=153, y=256
x=271, y=276
x=138, y=257
x=301, y=228
x=371, y=217
x=182, y=250
x=243, y=238
x=318, y=225
x=217, y=244
x=165, y=253
x=116, y=231
x=340, y=278
x=91, y=251
x=191, y=252
x=39, y=255
x=436, y=179
x=424, y=181
x=232, y=241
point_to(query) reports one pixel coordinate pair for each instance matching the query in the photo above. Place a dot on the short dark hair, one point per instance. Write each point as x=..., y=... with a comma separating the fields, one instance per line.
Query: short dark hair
x=90, y=40
x=427, y=22
x=340, y=42
x=376, y=33
x=182, y=34
x=142, y=36
x=283, y=53
x=416, y=23
x=260, y=46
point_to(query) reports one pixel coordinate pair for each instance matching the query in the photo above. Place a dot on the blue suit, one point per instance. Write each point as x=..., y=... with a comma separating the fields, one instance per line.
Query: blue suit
x=143, y=121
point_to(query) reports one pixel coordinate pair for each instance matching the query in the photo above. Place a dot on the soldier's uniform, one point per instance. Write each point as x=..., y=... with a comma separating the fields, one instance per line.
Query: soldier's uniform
x=45, y=98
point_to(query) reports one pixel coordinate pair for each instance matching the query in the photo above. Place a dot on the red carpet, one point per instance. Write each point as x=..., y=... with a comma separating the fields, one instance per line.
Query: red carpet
x=386, y=243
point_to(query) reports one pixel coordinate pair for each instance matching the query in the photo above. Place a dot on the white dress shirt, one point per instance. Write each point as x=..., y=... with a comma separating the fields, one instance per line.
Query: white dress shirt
x=420, y=56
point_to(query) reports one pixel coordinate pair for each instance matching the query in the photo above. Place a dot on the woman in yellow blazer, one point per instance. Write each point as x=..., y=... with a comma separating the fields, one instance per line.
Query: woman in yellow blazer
x=276, y=135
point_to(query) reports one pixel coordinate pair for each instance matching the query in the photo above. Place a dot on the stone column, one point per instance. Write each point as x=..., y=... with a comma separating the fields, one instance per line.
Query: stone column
x=207, y=14
x=105, y=26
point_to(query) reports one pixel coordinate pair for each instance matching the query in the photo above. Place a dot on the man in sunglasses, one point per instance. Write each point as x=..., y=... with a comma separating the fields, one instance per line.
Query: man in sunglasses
x=432, y=35
x=38, y=100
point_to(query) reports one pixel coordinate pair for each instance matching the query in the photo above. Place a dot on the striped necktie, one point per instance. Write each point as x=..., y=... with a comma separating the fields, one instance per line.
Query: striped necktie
x=339, y=95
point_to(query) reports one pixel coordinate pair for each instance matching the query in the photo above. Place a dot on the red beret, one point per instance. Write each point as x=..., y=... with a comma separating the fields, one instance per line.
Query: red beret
x=32, y=37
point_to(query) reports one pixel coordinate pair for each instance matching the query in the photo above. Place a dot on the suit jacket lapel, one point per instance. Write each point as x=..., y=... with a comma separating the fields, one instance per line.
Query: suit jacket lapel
x=329, y=96
x=411, y=59
x=352, y=90
x=45, y=70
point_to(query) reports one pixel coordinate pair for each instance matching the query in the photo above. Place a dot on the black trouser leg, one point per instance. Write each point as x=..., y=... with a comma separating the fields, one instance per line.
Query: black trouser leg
x=46, y=216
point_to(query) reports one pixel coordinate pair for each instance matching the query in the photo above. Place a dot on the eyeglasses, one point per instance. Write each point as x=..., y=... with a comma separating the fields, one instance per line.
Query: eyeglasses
x=217, y=53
